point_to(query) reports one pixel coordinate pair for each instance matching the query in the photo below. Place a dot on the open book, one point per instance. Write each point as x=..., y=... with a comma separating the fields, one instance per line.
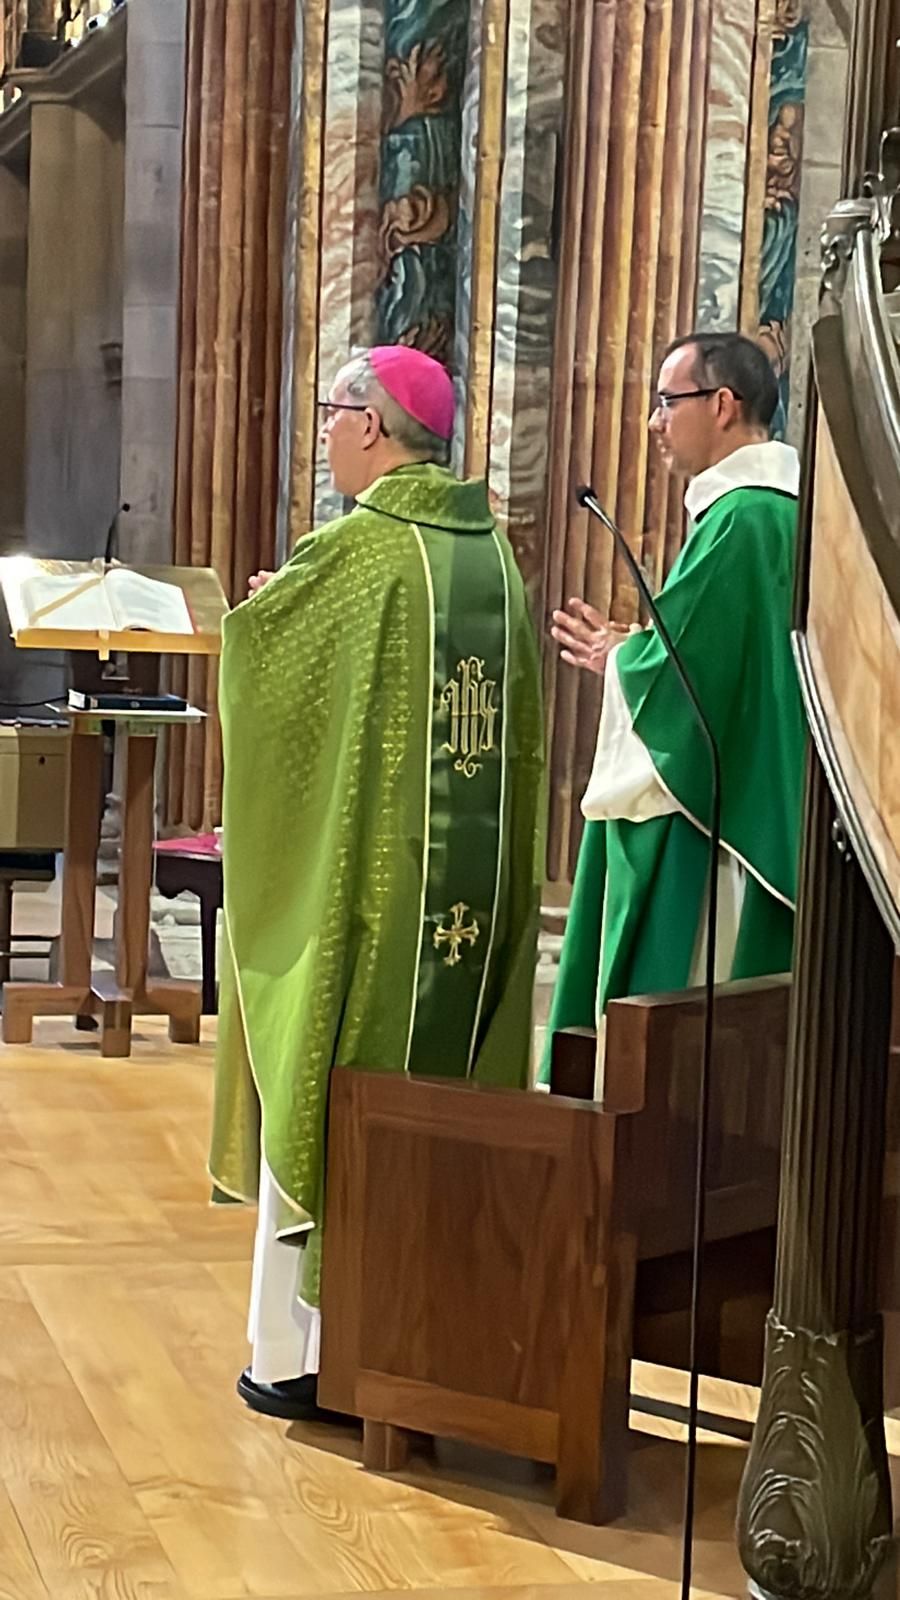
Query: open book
x=86, y=605
x=101, y=601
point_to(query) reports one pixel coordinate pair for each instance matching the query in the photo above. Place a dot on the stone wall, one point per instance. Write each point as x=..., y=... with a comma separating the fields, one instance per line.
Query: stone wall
x=13, y=269
x=90, y=245
x=73, y=395
x=154, y=113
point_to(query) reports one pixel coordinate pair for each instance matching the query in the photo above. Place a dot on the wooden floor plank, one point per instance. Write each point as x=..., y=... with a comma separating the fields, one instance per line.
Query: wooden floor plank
x=19, y=1576
x=129, y=1470
x=82, y=1522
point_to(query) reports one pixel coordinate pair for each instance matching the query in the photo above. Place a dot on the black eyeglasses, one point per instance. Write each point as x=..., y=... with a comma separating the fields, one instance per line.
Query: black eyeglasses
x=343, y=405
x=665, y=402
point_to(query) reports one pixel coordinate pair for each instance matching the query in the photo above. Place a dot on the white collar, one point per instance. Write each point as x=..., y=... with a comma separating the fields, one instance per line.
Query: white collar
x=753, y=466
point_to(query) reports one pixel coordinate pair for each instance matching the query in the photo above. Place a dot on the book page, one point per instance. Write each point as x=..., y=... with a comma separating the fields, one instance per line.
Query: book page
x=76, y=601
x=145, y=603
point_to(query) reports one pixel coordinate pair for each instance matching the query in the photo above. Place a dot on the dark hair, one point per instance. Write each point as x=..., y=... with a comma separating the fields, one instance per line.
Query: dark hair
x=734, y=362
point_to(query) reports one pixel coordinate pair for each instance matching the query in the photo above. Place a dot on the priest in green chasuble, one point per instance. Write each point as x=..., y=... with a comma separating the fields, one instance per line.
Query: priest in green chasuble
x=637, y=923
x=382, y=730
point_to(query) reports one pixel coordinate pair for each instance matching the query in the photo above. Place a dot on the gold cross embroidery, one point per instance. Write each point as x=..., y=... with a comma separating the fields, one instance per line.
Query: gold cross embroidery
x=456, y=934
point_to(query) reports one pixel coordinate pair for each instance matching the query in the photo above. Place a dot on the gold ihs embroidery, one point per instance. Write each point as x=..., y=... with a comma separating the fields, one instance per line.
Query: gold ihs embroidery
x=469, y=698
x=456, y=934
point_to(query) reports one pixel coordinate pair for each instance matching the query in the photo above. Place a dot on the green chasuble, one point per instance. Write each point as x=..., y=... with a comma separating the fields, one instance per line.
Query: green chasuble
x=382, y=730
x=640, y=891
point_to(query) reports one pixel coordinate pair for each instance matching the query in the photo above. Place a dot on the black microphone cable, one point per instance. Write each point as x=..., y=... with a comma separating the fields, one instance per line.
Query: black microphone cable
x=587, y=498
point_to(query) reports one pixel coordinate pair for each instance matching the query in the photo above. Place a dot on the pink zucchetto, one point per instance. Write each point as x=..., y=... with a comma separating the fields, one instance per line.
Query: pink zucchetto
x=419, y=384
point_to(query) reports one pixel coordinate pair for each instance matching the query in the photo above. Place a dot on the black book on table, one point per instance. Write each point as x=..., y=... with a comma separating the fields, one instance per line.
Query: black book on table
x=80, y=701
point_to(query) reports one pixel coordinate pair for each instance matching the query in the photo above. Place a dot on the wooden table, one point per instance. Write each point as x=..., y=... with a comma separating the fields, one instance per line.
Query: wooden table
x=82, y=992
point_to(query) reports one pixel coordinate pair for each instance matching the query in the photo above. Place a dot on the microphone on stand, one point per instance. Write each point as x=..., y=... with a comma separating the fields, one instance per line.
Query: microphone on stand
x=588, y=499
x=112, y=537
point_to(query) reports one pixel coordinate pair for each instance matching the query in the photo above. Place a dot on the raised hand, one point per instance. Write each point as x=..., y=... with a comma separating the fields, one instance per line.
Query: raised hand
x=586, y=638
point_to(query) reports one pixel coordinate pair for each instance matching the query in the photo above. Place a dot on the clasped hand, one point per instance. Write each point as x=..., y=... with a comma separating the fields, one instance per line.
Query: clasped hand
x=257, y=582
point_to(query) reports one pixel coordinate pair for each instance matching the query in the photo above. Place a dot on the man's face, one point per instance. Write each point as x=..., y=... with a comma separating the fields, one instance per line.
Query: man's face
x=688, y=422
x=349, y=429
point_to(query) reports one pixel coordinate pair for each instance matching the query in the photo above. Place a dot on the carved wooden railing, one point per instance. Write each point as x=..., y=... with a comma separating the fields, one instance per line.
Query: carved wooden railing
x=815, y=1517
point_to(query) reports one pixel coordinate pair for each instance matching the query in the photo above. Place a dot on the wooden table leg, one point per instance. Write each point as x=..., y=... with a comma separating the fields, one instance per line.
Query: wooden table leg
x=592, y=1461
x=79, y=888
x=115, y=1023
x=136, y=866
x=179, y=1001
x=209, y=910
x=114, y=997
x=6, y=898
x=385, y=1448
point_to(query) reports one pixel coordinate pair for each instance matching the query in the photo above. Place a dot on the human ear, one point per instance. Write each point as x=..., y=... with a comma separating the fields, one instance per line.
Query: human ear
x=373, y=429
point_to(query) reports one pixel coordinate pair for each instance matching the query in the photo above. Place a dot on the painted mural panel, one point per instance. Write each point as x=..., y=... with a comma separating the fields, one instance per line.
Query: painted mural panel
x=778, y=267
x=425, y=49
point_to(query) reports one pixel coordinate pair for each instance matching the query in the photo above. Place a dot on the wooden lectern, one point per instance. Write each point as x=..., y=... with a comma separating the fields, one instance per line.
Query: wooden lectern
x=115, y=998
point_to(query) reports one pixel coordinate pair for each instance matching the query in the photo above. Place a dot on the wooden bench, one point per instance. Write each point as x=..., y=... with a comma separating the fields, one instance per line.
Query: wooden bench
x=494, y=1259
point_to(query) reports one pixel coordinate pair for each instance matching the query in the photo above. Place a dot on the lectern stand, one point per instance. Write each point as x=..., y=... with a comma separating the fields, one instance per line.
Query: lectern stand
x=37, y=595
x=82, y=992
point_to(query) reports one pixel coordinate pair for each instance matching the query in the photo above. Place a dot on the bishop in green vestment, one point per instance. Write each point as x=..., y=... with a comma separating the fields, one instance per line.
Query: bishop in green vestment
x=382, y=733
x=637, y=923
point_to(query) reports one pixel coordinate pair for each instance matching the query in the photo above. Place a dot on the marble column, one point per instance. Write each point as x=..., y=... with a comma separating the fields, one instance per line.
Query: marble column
x=351, y=242
x=724, y=191
x=507, y=385
x=830, y=31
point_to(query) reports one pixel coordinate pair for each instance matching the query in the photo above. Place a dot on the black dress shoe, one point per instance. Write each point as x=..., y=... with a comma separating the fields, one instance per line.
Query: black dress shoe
x=292, y=1401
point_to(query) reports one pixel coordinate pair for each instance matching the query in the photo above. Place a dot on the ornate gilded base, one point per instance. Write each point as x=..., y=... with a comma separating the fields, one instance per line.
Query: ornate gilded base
x=814, y=1521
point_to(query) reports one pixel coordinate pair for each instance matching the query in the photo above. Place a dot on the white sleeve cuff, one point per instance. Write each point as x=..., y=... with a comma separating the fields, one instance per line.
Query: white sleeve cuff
x=624, y=785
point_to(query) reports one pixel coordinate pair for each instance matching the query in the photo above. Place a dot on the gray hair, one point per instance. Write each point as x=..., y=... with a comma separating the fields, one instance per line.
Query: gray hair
x=362, y=384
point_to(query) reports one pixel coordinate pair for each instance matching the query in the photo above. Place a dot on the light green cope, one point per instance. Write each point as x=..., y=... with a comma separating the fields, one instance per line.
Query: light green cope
x=382, y=731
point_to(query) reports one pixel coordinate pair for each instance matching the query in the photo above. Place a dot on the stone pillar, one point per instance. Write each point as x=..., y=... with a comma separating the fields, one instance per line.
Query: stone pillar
x=13, y=270
x=40, y=41
x=154, y=121
x=815, y=1509
x=73, y=401
x=25, y=675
